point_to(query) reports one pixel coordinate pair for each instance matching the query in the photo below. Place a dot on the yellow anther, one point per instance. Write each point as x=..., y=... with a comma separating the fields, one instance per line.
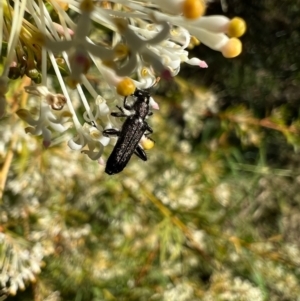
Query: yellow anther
x=147, y=143
x=66, y=114
x=86, y=6
x=121, y=24
x=232, y=49
x=23, y=114
x=105, y=4
x=108, y=63
x=71, y=82
x=193, y=42
x=174, y=32
x=95, y=134
x=150, y=27
x=63, y=5
x=193, y=9
x=121, y=51
x=237, y=27
x=125, y=87
x=144, y=72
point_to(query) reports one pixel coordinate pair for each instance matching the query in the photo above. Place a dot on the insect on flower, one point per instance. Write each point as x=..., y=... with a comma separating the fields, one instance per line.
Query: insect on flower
x=131, y=133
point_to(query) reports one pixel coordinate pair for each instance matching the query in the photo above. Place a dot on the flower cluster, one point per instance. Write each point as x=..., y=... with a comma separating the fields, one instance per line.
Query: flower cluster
x=19, y=266
x=105, y=50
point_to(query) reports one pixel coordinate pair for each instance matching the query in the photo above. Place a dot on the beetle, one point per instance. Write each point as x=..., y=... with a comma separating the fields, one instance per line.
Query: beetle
x=133, y=129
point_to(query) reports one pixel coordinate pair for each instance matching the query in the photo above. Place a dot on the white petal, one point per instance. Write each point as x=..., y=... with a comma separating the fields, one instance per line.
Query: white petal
x=104, y=140
x=154, y=60
x=102, y=53
x=83, y=26
x=213, y=40
x=162, y=35
x=174, y=64
x=212, y=23
x=197, y=62
x=102, y=106
x=77, y=146
x=129, y=67
x=153, y=104
x=58, y=127
x=101, y=161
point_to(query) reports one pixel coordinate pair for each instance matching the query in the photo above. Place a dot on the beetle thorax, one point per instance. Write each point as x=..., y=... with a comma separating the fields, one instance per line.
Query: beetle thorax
x=141, y=108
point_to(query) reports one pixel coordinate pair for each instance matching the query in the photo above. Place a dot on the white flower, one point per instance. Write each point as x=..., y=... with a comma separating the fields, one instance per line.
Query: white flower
x=123, y=44
x=91, y=138
x=47, y=119
x=139, y=46
x=56, y=101
x=79, y=47
x=212, y=31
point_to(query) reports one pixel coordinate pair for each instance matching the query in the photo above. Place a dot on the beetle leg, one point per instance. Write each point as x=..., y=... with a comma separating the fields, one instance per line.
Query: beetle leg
x=119, y=114
x=149, y=138
x=93, y=123
x=148, y=128
x=111, y=132
x=121, y=109
x=140, y=153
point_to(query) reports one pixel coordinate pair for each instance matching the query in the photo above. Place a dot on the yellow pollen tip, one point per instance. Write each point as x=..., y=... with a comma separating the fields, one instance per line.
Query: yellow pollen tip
x=193, y=9
x=233, y=48
x=147, y=143
x=125, y=87
x=86, y=6
x=237, y=27
x=121, y=51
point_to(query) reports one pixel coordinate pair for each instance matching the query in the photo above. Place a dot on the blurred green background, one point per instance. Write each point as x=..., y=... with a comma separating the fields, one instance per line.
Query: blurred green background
x=214, y=214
